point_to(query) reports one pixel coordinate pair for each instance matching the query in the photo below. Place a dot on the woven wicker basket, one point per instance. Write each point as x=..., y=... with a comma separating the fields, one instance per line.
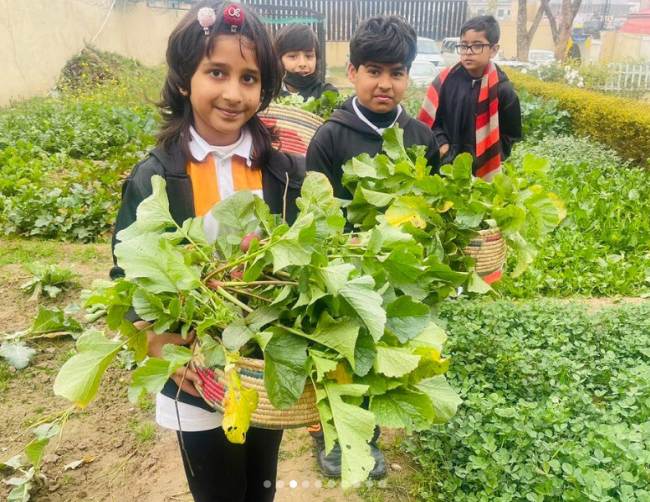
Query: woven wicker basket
x=265, y=416
x=293, y=126
x=489, y=250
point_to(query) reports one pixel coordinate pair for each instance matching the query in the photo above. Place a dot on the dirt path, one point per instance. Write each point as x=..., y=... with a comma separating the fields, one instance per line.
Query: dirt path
x=126, y=456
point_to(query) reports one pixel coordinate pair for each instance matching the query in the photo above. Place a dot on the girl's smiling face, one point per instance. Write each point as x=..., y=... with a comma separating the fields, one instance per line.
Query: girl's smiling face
x=225, y=90
x=301, y=62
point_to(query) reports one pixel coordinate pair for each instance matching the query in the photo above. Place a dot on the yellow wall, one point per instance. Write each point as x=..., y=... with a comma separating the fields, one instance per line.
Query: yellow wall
x=39, y=36
x=621, y=47
x=337, y=53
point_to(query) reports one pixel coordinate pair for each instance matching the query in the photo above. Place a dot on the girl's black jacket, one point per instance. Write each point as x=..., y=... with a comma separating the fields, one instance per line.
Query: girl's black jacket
x=281, y=170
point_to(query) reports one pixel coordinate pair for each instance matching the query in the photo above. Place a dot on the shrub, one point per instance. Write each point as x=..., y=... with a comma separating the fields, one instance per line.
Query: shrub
x=622, y=124
x=540, y=117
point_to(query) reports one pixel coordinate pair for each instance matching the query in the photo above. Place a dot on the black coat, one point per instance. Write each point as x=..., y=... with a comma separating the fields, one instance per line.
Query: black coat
x=313, y=91
x=455, y=123
x=345, y=136
x=172, y=166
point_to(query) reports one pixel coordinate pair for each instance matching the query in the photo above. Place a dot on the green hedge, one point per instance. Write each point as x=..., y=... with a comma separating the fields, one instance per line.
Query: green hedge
x=622, y=124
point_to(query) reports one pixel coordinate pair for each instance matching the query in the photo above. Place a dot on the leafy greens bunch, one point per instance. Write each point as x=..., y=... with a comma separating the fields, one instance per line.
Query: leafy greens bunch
x=323, y=106
x=349, y=314
x=444, y=211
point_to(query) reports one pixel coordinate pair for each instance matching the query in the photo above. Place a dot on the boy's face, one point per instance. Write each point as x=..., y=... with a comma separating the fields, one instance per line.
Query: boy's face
x=379, y=86
x=301, y=62
x=478, y=57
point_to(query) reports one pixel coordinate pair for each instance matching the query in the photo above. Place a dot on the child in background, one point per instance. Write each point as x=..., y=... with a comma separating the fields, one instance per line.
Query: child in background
x=299, y=53
x=222, y=70
x=472, y=107
x=381, y=52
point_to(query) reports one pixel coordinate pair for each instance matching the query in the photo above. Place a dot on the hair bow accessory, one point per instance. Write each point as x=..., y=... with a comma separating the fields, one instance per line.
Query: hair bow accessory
x=207, y=18
x=233, y=16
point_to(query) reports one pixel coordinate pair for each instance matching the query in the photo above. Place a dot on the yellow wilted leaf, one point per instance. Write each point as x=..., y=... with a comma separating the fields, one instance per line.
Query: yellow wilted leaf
x=398, y=216
x=239, y=405
x=431, y=363
x=446, y=206
x=340, y=374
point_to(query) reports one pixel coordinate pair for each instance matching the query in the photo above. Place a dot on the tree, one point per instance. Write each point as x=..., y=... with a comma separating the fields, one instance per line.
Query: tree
x=524, y=33
x=561, y=28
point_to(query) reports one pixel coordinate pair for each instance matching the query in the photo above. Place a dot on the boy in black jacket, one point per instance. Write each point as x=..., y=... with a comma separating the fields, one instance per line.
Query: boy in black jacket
x=381, y=52
x=472, y=107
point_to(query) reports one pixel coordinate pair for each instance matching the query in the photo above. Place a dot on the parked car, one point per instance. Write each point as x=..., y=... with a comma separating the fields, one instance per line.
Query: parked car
x=448, y=51
x=539, y=57
x=428, y=50
x=509, y=63
x=423, y=72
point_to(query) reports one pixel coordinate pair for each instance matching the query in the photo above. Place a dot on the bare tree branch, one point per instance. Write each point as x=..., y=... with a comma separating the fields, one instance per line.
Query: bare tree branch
x=551, y=20
x=536, y=20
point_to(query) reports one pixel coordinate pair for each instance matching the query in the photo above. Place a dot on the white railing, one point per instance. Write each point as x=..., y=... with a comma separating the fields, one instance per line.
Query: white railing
x=623, y=77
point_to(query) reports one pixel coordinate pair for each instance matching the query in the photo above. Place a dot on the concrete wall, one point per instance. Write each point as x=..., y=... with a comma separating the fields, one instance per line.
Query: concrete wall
x=621, y=47
x=39, y=36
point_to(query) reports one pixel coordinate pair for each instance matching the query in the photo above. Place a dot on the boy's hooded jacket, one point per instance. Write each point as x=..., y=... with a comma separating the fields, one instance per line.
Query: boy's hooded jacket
x=345, y=136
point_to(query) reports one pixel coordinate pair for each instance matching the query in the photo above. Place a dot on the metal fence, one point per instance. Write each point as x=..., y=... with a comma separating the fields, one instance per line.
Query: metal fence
x=627, y=77
x=435, y=19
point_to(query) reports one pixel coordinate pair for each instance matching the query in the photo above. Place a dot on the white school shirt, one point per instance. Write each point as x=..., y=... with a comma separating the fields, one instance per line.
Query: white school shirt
x=193, y=418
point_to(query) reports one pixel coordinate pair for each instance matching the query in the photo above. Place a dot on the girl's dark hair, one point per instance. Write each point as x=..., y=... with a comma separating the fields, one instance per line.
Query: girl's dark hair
x=296, y=37
x=487, y=24
x=188, y=45
x=383, y=39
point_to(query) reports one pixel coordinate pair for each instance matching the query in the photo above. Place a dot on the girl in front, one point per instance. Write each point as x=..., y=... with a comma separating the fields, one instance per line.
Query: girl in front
x=222, y=71
x=299, y=53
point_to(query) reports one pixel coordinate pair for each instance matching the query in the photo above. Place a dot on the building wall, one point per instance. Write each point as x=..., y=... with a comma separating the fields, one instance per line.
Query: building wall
x=39, y=36
x=621, y=47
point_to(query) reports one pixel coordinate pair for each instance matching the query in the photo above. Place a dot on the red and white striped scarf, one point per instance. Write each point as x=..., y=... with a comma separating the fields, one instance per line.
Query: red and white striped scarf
x=488, y=144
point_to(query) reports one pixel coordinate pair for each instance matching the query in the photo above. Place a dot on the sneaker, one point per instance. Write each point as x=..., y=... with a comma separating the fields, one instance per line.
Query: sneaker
x=379, y=470
x=330, y=465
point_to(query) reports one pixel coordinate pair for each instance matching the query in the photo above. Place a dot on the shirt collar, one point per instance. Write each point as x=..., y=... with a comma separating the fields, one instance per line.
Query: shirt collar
x=362, y=117
x=243, y=147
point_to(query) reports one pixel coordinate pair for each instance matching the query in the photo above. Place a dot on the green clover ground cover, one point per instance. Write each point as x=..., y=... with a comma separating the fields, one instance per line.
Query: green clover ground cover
x=556, y=405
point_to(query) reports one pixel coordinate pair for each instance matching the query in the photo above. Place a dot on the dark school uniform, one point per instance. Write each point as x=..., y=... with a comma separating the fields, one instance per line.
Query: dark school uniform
x=346, y=135
x=216, y=469
x=455, y=122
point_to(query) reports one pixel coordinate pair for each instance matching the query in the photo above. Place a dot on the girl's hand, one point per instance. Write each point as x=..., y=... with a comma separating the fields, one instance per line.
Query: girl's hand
x=443, y=150
x=156, y=342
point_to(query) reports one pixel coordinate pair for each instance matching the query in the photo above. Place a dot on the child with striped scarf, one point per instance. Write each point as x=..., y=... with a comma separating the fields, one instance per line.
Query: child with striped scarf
x=472, y=106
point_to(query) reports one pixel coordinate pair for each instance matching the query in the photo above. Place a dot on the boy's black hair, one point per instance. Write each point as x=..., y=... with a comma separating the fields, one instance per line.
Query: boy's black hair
x=486, y=24
x=187, y=46
x=383, y=39
x=296, y=37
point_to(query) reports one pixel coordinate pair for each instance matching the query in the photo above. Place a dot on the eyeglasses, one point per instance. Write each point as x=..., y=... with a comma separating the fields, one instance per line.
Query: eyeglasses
x=471, y=49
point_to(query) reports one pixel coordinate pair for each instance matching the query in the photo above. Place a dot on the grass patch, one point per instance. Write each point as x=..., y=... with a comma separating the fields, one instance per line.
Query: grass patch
x=144, y=432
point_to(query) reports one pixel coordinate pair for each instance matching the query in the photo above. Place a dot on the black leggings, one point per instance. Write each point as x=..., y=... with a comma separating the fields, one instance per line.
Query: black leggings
x=227, y=472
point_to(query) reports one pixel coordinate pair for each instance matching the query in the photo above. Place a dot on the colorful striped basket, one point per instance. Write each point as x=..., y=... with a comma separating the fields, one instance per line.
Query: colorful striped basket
x=293, y=126
x=251, y=372
x=489, y=250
